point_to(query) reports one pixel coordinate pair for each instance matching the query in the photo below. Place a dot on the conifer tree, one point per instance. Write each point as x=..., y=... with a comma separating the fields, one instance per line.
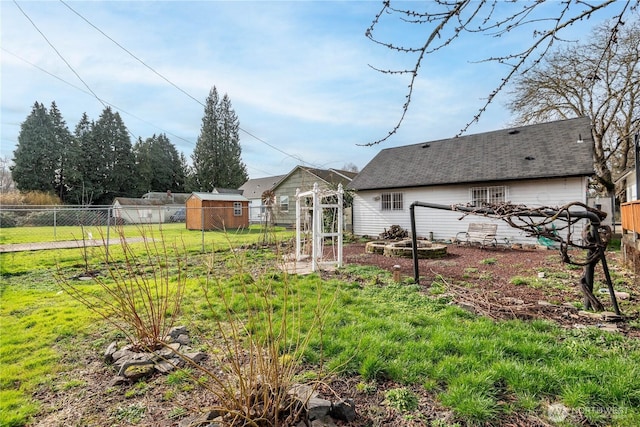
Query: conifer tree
x=159, y=165
x=35, y=157
x=87, y=183
x=65, y=155
x=216, y=157
x=112, y=137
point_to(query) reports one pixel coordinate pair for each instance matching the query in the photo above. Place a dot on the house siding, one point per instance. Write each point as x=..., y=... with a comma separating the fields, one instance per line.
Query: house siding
x=370, y=220
x=299, y=179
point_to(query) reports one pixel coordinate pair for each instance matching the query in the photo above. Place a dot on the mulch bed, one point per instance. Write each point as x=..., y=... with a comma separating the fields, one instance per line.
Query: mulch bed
x=482, y=280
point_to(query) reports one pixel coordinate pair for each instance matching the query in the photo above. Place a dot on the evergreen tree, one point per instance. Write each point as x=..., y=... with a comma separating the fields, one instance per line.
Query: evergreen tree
x=35, y=158
x=235, y=171
x=62, y=141
x=119, y=178
x=87, y=183
x=216, y=157
x=159, y=165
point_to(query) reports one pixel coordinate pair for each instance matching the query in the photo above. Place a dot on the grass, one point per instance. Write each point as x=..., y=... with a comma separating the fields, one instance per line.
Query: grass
x=478, y=368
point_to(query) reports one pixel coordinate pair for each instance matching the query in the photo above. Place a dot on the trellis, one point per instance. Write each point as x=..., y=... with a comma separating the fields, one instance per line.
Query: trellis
x=326, y=222
x=540, y=222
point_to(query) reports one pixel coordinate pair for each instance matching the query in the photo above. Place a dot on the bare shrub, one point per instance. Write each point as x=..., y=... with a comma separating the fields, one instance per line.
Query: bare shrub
x=262, y=330
x=141, y=295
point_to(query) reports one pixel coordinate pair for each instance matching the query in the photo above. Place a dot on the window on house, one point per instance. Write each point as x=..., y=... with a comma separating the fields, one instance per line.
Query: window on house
x=484, y=196
x=284, y=203
x=237, y=209
x=392, y=201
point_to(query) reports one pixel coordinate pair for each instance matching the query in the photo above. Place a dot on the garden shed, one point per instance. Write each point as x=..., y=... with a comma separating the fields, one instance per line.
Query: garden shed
x=215, y=211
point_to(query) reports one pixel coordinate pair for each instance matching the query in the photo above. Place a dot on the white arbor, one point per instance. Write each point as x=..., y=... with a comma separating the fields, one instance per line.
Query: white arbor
x=326, y=222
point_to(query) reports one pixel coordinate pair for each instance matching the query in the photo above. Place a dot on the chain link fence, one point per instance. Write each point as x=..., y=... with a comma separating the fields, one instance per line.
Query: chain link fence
x=42, y=224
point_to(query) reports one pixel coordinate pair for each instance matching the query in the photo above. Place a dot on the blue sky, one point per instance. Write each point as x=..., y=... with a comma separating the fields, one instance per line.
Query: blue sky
x=297, y=74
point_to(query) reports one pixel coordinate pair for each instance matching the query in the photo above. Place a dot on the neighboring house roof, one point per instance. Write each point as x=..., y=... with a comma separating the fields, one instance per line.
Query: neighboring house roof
x=129, y=201
x=173, y=198
x=330, y=176
x=220, y=197
x=527, y=152
x=226, y=191
x=253, y=188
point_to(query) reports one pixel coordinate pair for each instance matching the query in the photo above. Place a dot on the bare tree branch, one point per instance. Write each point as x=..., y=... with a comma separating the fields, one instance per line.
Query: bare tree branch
x=451, y=19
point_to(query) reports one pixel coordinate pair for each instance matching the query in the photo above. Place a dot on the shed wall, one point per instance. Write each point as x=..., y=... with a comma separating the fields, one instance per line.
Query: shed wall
x=215, y=214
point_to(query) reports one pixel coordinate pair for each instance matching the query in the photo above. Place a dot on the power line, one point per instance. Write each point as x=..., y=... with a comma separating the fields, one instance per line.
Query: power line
x=58, y=53
x=173, y=84
x=100, y=99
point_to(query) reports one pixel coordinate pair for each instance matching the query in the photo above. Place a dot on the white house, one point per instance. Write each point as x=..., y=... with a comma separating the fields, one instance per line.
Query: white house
x=538, y=165
x=140, y=211
x=153, y=207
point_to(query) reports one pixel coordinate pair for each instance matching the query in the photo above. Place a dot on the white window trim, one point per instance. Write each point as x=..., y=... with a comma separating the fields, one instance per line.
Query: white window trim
x=282, y=199
x=489, y=195
x=395, y=201
x=237, y=208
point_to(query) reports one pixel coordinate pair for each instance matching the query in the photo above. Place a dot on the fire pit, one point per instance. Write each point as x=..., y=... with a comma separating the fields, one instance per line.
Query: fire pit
x=404, y=249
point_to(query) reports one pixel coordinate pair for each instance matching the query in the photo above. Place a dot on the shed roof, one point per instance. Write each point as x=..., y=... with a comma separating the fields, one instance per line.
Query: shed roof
x=220, y=197
x=130, y=201
x=556, y=149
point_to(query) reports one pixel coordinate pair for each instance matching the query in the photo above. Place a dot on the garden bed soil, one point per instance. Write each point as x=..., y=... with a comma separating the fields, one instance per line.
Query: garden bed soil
x=501, y=282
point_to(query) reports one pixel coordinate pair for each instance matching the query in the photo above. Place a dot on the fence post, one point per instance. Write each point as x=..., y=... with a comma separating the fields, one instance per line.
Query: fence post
x=202, y=225
x=55, y=234
x=108, y=230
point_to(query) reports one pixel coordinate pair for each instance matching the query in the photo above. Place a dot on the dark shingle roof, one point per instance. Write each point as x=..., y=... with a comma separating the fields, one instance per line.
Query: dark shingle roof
x=129, y=201
x=333, y=176
x=527, y=152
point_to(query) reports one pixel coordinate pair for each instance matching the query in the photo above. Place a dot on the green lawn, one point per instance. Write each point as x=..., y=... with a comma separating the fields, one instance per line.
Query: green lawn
x=374, y=329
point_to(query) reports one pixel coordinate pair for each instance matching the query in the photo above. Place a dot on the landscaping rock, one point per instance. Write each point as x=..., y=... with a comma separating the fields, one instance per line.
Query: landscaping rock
x=323, y=422
x=609, y=327
x=344, y=410
x=108, y=353
x=590, y=314
x=609, y=316
x=176, y=331
x=302, y=392
x=622, y=295
x=167, y=366
x=137, y=372
x=196, y=357
x=118, y=380
x=317, y=408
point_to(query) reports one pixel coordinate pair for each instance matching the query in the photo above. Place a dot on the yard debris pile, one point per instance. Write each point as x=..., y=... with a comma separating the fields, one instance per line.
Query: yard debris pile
x=133, y=366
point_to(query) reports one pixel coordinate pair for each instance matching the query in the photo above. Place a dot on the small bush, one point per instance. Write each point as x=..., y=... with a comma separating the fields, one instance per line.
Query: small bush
x=395, y=232
x=65, y=217
x=7, y=220
x=402, y=399
x=29, y=198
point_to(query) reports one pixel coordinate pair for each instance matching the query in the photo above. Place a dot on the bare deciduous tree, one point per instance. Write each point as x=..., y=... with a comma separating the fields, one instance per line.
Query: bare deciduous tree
x=600, y=79
x=6, y=181
x=445, y=21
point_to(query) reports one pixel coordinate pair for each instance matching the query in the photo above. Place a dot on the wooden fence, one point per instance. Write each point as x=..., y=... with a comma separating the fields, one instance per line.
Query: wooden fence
x=630, y=213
